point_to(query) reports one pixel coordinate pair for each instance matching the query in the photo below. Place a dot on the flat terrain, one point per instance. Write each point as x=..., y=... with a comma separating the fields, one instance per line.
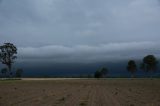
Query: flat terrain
x=80, y=92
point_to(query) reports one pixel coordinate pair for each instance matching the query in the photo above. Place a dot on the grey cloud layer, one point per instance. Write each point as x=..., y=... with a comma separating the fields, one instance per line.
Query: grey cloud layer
x=81, y=30
x=78, y=22
x=84, y=53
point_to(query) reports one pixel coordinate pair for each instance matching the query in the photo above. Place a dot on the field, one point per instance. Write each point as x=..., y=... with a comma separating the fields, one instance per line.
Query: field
x=80, y=92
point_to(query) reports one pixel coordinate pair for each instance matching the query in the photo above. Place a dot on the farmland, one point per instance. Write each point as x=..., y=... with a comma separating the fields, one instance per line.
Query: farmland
x=80, y=92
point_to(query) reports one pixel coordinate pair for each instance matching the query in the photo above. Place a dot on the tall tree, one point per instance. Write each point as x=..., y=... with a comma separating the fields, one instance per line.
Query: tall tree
x=7, y=55
x=149, y=63
x=132, y=67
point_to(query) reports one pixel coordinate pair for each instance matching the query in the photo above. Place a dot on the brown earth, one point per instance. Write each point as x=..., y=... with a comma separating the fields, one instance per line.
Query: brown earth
x=81, y=92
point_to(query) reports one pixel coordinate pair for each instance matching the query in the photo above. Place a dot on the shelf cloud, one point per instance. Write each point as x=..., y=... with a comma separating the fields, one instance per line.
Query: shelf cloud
x=81, y=30
x=89, y=54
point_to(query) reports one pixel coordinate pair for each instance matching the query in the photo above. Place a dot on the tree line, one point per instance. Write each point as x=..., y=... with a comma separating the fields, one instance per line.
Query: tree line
x=149, y=64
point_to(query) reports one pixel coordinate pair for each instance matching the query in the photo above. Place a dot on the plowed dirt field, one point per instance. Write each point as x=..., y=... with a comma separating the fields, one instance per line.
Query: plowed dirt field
x=81, y=92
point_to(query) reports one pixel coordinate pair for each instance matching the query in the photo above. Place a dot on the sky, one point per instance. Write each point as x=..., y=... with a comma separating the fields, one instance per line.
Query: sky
x=81, y=31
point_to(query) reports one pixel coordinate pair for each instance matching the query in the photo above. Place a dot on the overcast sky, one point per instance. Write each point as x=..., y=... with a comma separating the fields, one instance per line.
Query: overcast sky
x=81, y=30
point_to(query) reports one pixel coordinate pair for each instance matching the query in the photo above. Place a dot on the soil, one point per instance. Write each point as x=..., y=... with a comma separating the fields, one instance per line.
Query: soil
x=80, y=92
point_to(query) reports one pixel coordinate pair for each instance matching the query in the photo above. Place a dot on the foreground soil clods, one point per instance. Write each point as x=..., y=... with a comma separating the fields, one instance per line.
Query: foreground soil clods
x=81, y=92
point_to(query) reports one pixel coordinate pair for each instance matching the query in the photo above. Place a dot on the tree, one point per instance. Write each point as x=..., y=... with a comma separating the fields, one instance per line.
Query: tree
x=97, y=74
x=19, y=72
x=104, y=72
x=149, y=63
x=132, y=67
x=101, y=73
x=4, y=71
x=7, y=55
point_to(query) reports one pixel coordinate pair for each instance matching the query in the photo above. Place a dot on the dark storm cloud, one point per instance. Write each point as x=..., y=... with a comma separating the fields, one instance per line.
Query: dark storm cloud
x=81, y=30
x=90, y=54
